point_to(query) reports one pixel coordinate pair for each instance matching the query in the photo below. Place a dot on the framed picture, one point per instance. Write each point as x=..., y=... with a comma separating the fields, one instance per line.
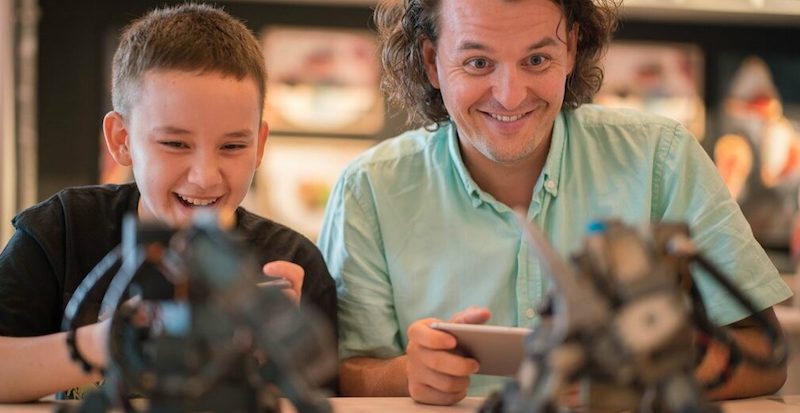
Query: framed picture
x=662, y=78
x=296, y=177
x=322, y=81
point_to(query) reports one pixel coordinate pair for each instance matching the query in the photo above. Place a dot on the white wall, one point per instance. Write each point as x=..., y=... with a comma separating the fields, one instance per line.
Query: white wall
x=8, y=164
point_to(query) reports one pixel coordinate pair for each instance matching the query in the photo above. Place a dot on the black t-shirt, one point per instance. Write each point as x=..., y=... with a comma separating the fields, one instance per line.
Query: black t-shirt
x=58, y=241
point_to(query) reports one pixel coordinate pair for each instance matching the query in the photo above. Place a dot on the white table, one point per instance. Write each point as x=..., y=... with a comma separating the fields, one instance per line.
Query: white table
x=773, y=404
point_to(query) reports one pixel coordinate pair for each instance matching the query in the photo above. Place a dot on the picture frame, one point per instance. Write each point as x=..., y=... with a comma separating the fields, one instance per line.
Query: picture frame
x=664, y=78
x=297, y=175
x=322, y=81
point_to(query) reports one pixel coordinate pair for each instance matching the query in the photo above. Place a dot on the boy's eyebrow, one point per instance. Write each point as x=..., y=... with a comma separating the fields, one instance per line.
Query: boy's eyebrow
x=241, y=133
x=174, y=130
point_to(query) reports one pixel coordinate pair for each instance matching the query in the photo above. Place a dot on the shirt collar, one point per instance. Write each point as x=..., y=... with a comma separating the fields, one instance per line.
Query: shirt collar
x=549, y=179
x=555, y=157
x=475, y=193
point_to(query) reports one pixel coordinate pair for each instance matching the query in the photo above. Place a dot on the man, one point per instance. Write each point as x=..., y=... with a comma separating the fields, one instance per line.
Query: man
x=188, y=94
x=421, y=227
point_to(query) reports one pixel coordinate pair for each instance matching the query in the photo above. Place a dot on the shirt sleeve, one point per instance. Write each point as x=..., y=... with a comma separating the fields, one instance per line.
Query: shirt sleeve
x=688, y=188
x=351, y=243
x=29, y=301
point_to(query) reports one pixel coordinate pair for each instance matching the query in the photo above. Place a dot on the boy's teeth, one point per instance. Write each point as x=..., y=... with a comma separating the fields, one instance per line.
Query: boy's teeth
x=197, y=202
x=502, y=118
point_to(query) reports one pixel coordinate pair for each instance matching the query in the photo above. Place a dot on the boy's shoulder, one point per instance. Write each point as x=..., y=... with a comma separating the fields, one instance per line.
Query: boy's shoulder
x=90, y=202
x=273, y=240
x=260, y=229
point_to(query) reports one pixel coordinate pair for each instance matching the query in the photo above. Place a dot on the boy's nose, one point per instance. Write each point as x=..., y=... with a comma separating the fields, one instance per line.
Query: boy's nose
x=205, y=173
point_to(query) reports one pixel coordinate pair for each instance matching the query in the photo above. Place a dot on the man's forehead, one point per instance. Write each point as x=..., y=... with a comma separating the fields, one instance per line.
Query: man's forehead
x=486, y=10
x=469, y=22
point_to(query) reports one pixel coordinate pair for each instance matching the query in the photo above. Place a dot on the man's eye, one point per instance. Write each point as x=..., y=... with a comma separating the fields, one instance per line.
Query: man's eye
x=536, y=60
x=478, y=63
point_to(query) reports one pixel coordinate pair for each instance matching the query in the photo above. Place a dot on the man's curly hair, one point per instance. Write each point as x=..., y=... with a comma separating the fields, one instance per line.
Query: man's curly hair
x=403, y=25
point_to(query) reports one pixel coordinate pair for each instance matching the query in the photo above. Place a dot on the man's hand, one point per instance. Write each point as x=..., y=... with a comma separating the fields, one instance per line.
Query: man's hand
x=290, y=271
x=435, y=374
x=747, y=380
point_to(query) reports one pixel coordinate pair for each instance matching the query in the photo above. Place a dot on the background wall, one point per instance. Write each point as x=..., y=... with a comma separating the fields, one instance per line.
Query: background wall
x=7, y=121
x=73, y=84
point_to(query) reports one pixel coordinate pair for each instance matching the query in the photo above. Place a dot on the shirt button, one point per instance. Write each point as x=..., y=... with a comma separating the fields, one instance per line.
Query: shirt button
x=530, y=313
x=550, y=184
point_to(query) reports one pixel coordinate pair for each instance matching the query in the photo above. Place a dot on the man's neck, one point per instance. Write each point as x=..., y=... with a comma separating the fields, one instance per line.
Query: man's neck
x=512, y=184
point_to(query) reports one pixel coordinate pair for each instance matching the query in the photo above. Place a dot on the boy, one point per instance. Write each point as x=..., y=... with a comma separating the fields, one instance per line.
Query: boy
x=188, y=92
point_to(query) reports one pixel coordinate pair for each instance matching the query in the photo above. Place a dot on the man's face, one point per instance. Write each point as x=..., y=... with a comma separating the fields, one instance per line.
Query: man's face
x=501, y=67
x=195, y=141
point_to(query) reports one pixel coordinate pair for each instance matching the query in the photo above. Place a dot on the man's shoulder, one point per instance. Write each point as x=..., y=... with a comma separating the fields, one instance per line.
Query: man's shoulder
x=624, y=126
x=401, y=148
x=596, y=116
x=95, y=200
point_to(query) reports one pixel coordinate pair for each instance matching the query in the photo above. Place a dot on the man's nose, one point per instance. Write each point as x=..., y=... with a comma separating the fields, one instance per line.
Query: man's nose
x=509, y=88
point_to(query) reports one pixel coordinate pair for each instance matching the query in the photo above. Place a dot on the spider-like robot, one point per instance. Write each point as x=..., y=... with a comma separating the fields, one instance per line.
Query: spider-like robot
x=191, y=331
x=626, y=326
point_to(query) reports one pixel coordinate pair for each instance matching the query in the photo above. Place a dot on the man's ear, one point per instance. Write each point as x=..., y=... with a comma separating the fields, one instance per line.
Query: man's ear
x=429, y=59
x=263, y=133
x=116, y=135
x=572, y=45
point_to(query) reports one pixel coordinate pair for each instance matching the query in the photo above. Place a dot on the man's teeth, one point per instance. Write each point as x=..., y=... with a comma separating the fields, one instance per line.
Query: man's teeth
x=502, y=118
x=196, y=201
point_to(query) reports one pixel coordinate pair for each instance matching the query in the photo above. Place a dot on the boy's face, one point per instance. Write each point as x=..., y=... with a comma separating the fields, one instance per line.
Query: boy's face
x=194, y=141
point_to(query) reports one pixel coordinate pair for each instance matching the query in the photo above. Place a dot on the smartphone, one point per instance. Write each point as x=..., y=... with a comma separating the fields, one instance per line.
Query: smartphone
x=275, y=282
x=498, y=349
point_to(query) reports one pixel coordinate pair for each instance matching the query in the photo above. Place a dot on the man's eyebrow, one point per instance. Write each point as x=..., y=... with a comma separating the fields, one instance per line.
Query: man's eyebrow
x=547, y=41
x=473, y=45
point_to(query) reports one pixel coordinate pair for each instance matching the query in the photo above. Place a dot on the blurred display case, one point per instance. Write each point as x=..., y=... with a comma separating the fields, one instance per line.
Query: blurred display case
x=731, y=75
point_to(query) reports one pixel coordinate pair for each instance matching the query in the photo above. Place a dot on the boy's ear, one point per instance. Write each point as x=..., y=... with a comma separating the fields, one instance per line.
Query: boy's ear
x=116, y=135
x=429, y=60
x=263, y=133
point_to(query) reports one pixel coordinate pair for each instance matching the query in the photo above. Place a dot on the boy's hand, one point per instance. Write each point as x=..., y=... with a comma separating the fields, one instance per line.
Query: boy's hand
x=290, y=271
x=92, y=341
x=435, y=374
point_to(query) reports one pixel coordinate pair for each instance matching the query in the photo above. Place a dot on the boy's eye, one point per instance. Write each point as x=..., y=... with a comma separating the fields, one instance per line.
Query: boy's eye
x=173, y=144
x=233, y=146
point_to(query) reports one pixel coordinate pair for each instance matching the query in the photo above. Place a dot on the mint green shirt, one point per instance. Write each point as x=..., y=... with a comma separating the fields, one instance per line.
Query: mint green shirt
x=408, y=234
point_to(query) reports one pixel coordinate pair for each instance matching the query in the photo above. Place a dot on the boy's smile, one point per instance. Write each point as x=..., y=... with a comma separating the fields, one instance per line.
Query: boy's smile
x=194, y=141
x=197, y=202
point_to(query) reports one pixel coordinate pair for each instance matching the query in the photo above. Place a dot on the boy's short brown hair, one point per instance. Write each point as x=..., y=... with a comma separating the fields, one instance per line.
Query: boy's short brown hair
x=190, y=37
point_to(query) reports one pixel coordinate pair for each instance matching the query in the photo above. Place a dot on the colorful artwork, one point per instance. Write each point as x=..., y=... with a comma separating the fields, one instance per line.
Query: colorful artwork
x=661, y=78
x=322, y=81
x=294, y=181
